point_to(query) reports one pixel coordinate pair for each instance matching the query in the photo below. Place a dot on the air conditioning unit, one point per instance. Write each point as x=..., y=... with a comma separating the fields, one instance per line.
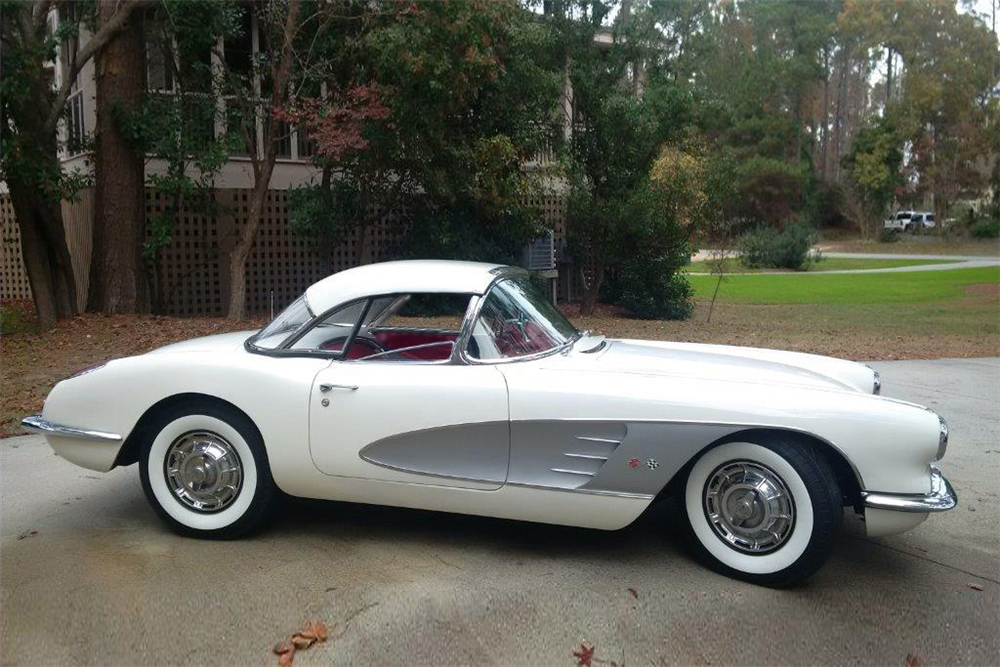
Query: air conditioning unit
x=540, y=254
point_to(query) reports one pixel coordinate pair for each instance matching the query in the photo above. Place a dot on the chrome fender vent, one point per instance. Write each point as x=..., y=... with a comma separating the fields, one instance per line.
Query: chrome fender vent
x=588, y=455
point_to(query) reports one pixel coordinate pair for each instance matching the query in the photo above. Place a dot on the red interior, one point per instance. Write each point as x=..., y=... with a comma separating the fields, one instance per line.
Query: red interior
x=395, y=340
x=512, y=343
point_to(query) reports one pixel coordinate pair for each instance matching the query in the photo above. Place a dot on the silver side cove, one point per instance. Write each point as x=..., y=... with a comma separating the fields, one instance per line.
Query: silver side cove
x=634, y=459
x=475, y=452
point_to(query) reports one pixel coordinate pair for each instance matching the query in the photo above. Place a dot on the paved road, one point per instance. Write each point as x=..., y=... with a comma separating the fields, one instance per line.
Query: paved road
x=102, y=582
x=954, y=262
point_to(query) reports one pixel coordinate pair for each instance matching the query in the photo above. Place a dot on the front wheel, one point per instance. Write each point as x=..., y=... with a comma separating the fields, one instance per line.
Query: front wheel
x=766, y=512
x=204, y=470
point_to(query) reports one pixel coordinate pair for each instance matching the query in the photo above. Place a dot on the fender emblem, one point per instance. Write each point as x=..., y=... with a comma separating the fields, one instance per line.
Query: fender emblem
x=652, y=464
x=633, y=463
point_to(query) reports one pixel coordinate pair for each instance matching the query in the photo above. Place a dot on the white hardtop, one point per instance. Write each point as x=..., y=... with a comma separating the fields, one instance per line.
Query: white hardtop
x=403, y=277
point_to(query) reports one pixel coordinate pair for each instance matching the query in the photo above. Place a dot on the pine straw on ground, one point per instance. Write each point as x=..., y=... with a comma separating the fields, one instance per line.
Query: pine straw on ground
x=31, y=363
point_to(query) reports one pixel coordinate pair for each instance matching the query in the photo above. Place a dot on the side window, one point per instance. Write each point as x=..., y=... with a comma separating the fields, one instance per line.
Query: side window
x=331, y=334
x=436, y=311
x=419, y=327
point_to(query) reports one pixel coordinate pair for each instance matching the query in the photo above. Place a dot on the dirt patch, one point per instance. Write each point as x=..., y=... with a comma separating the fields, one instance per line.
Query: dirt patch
x=917, y=245
x=985, y=291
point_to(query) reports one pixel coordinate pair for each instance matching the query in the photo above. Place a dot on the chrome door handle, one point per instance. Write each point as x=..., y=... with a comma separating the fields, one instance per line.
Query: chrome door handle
x=347, y=387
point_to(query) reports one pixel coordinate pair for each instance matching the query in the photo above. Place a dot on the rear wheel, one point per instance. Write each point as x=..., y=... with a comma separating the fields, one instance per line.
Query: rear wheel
x=767, y=512
x=204, y=470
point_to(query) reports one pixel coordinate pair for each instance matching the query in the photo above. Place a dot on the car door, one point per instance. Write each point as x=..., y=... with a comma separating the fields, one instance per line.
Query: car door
x=409, y=421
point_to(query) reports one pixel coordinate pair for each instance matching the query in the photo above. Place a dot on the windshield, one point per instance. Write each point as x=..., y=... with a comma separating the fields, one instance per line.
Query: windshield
x=284, y=325
x=517, y=320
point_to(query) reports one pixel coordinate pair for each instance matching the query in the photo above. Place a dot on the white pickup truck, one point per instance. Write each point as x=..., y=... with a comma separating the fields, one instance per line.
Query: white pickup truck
x=908, y=221
x=902, y=221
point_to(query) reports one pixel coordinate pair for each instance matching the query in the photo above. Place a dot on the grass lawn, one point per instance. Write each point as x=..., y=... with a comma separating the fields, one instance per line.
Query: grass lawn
x=845, y=289
x=733, y=265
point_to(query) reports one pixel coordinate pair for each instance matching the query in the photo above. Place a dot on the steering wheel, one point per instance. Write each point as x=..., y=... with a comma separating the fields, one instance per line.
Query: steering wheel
x=370, y=342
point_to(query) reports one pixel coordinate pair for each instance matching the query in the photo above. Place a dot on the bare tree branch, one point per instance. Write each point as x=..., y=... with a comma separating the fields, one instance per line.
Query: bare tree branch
x=97, y=41
x=39, y=12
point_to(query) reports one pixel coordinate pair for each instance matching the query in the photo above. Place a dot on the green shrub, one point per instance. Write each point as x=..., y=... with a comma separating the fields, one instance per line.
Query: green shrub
x=653, y=289
x=986, y=228
x=887, y=235
x=768, y=248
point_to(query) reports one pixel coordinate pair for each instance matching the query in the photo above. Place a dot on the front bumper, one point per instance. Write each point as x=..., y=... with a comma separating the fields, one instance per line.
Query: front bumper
x=941, y=498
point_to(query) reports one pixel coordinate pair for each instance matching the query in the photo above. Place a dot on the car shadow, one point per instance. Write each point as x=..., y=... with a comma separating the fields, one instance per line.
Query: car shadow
x=656, y=529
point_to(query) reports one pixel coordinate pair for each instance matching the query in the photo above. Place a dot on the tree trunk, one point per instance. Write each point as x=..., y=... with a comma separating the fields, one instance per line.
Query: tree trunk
x=838, y=124
x=824, y=131
x=46, y=256
x=888, y=78
x=245, y=239
x=591, y=291
x=117, y=279
x=263, y=166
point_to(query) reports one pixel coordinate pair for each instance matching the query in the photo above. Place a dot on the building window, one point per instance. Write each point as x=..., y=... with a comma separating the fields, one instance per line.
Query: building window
x=159, y=63
x=75, y=129
x=306, y=144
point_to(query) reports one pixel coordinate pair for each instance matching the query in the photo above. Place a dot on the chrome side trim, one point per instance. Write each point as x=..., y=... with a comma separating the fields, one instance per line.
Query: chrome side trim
x=36, y=424
x=595, y=457
x=593, y=439
x=941, y=498
x=592, y=492
x=573, y=472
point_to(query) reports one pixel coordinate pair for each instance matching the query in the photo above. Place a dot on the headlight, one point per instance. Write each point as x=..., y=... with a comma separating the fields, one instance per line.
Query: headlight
x=942, y=439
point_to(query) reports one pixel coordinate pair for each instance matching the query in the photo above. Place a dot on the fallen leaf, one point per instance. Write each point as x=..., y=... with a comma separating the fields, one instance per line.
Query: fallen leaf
x=301, y=641
x=314, y=630
x=585, y=655
x=633, y=593
x=283, y=647
x=285, y=659
x=913, y=660
x=976, y=587
x=27, y=533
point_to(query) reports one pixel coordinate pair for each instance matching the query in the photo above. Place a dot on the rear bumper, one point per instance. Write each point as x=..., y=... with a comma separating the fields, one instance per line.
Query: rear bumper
x=36, y=424
x=941, y=498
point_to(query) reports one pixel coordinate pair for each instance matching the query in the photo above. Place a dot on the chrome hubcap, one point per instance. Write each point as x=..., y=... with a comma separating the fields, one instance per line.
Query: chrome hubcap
x=749, y=507
x=204, y=471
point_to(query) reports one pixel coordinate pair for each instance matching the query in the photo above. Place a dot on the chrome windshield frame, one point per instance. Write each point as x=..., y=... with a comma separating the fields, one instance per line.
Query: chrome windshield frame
x=459, y=355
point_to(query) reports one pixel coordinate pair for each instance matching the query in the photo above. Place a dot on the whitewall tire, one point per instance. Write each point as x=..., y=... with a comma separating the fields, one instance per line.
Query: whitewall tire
x=204, y=470
x=768, y=512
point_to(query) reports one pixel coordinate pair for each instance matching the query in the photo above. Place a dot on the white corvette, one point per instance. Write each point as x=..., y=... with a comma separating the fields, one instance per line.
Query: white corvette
x=508, y=411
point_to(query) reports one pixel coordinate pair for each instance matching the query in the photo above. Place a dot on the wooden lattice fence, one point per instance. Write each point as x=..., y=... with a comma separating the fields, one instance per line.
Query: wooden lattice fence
x=194, y=268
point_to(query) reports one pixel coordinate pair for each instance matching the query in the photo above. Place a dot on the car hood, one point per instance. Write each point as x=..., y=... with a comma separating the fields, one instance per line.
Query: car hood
x=227, y=342
x=726, y=363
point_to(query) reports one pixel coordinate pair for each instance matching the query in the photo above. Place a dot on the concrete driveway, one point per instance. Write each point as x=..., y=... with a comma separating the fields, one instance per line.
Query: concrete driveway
x=102, y=582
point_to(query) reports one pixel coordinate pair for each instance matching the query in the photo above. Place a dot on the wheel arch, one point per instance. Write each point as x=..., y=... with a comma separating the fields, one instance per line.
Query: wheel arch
x=847, y=475
x=132, y=447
